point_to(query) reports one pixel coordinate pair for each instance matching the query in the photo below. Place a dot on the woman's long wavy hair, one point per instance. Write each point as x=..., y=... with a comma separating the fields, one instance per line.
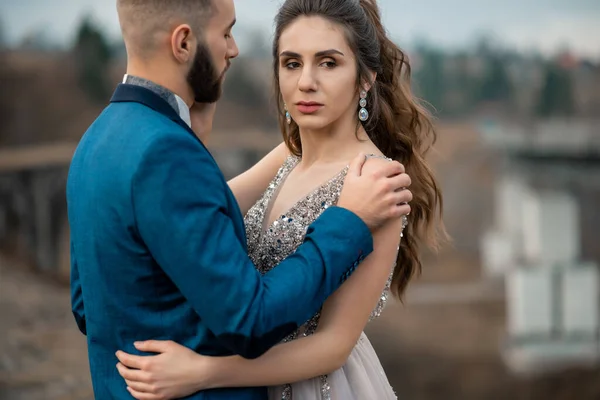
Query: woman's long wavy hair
x=398, y=125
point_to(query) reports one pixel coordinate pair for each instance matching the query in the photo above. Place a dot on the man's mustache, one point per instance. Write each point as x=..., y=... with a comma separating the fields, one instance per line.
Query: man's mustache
x=226, y=69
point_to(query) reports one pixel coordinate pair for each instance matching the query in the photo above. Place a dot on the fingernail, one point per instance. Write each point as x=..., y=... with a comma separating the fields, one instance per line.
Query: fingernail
x=137, y=343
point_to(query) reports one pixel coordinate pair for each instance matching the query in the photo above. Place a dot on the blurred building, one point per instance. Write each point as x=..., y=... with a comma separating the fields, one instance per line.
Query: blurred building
x=544, y=241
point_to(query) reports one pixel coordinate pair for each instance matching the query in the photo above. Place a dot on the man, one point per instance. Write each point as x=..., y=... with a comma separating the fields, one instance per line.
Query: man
x=157, y=238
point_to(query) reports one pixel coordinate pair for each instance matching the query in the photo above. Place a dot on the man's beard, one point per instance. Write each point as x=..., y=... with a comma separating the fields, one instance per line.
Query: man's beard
x=203, y=77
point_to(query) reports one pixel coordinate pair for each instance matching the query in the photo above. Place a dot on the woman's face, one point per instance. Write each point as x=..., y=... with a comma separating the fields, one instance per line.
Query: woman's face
x=317, y=73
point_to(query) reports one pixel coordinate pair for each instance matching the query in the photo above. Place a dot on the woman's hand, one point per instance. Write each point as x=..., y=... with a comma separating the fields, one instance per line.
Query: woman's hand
x=174, y=372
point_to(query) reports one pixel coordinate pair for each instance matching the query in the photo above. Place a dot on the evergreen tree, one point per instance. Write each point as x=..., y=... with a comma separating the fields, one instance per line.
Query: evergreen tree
x=2, y=36
x=242, y=89
x=496, y=84
x=93, y=55
x=429, y=79
x=556, y=96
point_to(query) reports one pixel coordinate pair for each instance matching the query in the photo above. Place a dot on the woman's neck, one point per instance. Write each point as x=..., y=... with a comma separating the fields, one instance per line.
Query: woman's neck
x=337, y=142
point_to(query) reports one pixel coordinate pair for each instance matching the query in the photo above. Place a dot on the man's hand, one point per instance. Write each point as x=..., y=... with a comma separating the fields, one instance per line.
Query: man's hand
x=376, y=190
x=202, y=115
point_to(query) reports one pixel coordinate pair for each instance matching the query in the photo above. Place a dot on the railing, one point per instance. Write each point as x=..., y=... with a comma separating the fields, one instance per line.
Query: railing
x=59, y=154
x=563, y=137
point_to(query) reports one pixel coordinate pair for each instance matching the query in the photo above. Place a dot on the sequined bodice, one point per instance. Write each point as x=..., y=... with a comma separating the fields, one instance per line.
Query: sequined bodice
x=269, y=245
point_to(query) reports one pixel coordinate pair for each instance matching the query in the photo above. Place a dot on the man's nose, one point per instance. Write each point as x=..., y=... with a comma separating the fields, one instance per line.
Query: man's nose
x=233, y=50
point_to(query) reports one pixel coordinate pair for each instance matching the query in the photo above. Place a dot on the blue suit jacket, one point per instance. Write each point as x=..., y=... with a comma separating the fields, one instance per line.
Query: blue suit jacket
x=158, y=248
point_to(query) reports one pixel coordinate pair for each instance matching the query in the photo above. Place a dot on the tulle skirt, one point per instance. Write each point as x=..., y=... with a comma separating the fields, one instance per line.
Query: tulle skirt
x=361, y=378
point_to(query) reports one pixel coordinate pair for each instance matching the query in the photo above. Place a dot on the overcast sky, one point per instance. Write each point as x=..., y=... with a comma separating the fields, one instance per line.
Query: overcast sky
x=525, y=24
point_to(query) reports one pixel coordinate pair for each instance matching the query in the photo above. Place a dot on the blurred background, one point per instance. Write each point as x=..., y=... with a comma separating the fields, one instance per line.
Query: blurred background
x=509, y=310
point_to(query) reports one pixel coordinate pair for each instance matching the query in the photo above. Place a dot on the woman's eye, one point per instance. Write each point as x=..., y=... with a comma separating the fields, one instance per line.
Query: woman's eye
x=292, y=65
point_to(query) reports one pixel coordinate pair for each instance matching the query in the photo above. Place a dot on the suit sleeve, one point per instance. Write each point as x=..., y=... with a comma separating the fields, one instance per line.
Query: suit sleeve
x=180, y=203
x=77, y=294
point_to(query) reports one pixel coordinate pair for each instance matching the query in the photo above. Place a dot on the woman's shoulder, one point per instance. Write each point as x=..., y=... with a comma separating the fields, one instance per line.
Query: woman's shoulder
x=372, y=152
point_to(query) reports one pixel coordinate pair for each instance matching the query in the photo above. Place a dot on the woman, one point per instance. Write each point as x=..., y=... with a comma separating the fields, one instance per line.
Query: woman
x=343, y=88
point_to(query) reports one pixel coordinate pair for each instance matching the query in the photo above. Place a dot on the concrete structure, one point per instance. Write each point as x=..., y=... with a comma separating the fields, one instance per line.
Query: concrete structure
x=33, y=215
x=545, y=242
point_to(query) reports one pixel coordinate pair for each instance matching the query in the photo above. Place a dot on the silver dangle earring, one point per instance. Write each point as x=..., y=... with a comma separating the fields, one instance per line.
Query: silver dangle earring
x=288, y=117
x=363, y=114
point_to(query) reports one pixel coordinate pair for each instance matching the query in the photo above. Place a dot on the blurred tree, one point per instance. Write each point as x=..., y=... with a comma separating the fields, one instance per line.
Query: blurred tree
x=5, y=98
x=118, y=50
x=258, y=44
x=429, y=79
x=485, y=45
x=241, y=88
x=93, y=55
x=461, y=85
x=496, y=84
x=37, y=41
x=2, y=35
x=556, y=96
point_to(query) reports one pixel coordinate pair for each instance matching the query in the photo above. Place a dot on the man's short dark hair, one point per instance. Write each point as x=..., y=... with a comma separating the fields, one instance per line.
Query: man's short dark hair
x=142, y=20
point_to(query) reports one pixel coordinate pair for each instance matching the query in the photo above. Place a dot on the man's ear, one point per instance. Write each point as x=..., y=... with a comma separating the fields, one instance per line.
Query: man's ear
x=183, y=43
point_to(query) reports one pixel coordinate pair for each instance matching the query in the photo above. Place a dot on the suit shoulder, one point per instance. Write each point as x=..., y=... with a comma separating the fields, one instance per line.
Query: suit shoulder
x=150, y=129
